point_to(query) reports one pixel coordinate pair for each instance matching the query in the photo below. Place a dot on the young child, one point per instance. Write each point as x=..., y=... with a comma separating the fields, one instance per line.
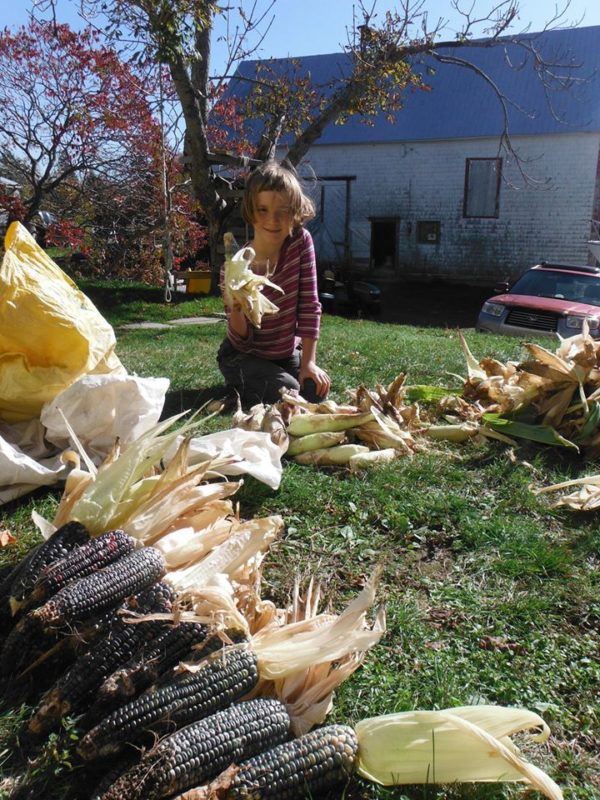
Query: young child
x=282, y=353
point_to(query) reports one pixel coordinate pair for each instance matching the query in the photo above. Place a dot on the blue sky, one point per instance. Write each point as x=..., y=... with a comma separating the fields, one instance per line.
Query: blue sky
x=321, y=26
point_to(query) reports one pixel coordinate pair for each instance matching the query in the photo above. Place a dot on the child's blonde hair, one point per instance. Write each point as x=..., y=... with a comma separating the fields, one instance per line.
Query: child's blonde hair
x=274, y=177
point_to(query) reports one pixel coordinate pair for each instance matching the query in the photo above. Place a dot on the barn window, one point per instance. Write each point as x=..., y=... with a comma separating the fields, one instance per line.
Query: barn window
x=428, y=232
x=482, y=187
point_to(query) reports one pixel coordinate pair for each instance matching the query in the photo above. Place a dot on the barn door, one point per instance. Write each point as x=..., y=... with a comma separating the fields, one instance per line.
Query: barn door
x=330, y=227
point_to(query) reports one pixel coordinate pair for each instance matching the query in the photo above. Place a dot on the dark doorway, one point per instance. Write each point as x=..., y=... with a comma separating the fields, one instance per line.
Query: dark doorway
x=384, y=243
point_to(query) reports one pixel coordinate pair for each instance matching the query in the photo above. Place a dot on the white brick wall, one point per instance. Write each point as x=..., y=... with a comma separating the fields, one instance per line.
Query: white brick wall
x=547, y=218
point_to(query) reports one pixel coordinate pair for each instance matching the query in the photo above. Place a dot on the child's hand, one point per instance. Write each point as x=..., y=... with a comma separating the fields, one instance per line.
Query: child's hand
x=229, y=302
x=319, y=376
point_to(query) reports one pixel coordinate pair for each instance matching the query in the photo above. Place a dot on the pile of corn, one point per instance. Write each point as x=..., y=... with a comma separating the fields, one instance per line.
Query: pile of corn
x=551, y=398
x=141, y=615
x=141, y=618
x=376, y=427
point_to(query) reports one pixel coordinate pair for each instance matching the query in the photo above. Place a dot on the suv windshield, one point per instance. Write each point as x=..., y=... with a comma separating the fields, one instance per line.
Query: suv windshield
x=580, y=288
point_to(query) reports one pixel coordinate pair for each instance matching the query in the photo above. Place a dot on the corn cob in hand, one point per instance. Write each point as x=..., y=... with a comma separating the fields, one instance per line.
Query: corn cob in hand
x=243, y=288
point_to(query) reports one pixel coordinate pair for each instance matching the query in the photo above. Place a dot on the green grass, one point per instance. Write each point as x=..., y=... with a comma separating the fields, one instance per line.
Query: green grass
x=491, y=595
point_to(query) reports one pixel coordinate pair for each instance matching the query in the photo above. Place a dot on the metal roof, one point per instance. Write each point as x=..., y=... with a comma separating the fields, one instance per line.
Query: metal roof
x=461, y=104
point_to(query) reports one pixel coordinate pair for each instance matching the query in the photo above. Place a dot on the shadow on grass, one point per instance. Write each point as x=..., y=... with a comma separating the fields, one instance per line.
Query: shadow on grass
x=191, y=399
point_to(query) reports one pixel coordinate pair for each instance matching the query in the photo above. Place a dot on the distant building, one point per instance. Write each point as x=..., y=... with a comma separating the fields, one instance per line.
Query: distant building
x=432, y=196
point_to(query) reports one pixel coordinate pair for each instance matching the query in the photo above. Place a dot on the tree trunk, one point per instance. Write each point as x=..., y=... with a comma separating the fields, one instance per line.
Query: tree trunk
x=308, y=137
x=215, y=227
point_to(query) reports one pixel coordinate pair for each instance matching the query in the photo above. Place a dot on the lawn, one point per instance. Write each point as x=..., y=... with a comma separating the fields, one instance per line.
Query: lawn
x=491, y=595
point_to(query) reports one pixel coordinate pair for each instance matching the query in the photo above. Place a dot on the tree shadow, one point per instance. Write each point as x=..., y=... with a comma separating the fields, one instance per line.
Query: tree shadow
x=435, y=304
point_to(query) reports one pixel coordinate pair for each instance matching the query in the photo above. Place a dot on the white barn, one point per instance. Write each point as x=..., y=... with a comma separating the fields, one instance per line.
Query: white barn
x=432, y=196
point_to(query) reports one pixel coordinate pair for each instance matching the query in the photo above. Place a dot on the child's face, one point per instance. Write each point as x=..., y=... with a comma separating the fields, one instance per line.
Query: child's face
x=272, y=219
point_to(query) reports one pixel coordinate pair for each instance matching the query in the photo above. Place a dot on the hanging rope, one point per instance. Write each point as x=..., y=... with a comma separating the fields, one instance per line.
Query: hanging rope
x=167, y=243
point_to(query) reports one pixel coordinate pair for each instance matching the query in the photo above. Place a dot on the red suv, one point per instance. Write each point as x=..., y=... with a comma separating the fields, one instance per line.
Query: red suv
x=547, y=299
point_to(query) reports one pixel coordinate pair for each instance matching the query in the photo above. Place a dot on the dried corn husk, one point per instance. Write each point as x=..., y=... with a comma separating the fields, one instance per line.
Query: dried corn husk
x=586, y=498
x=244, y=288
x=274, y=425
x=265, y=418
x=467, y=744
x=238, y=556
x=290, y=649
x=299, y=404
x=123, y=480
x=250, y=421
x=384, y=433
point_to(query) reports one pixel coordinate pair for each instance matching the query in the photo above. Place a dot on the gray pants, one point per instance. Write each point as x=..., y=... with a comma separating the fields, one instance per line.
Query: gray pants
x=259, y=380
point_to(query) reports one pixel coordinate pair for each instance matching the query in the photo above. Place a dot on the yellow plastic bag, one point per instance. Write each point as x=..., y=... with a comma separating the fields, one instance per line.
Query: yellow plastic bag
x=50, y=333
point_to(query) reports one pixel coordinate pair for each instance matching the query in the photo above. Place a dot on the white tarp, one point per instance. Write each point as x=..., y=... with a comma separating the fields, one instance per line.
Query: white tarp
x=101, y=409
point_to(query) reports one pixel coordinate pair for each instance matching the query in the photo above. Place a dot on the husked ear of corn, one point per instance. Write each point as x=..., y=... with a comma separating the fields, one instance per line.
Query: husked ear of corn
x=103, y=589
x=83, y=560
x=309, y=766
x=332, y=456
x=203, y=749
x=220, y=679
x=171, y=644
x=81, y=599
x=372, y=457
x=314, y=441
x=60, y=544
x=118, y=644
x=302, y=424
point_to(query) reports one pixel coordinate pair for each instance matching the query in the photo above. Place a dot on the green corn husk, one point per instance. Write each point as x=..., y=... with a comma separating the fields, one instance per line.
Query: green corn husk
x=429, y=394
x=544, y=434
x=591, y=423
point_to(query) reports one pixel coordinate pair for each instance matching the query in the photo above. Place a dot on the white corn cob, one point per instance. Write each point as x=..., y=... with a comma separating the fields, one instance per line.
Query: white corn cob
x=362, y=460
x=331, y=456
x=314, y=441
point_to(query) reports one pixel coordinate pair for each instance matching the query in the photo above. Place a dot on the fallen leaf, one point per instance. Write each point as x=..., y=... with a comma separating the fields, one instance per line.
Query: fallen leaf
x=6, y=538
x=500, y=643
